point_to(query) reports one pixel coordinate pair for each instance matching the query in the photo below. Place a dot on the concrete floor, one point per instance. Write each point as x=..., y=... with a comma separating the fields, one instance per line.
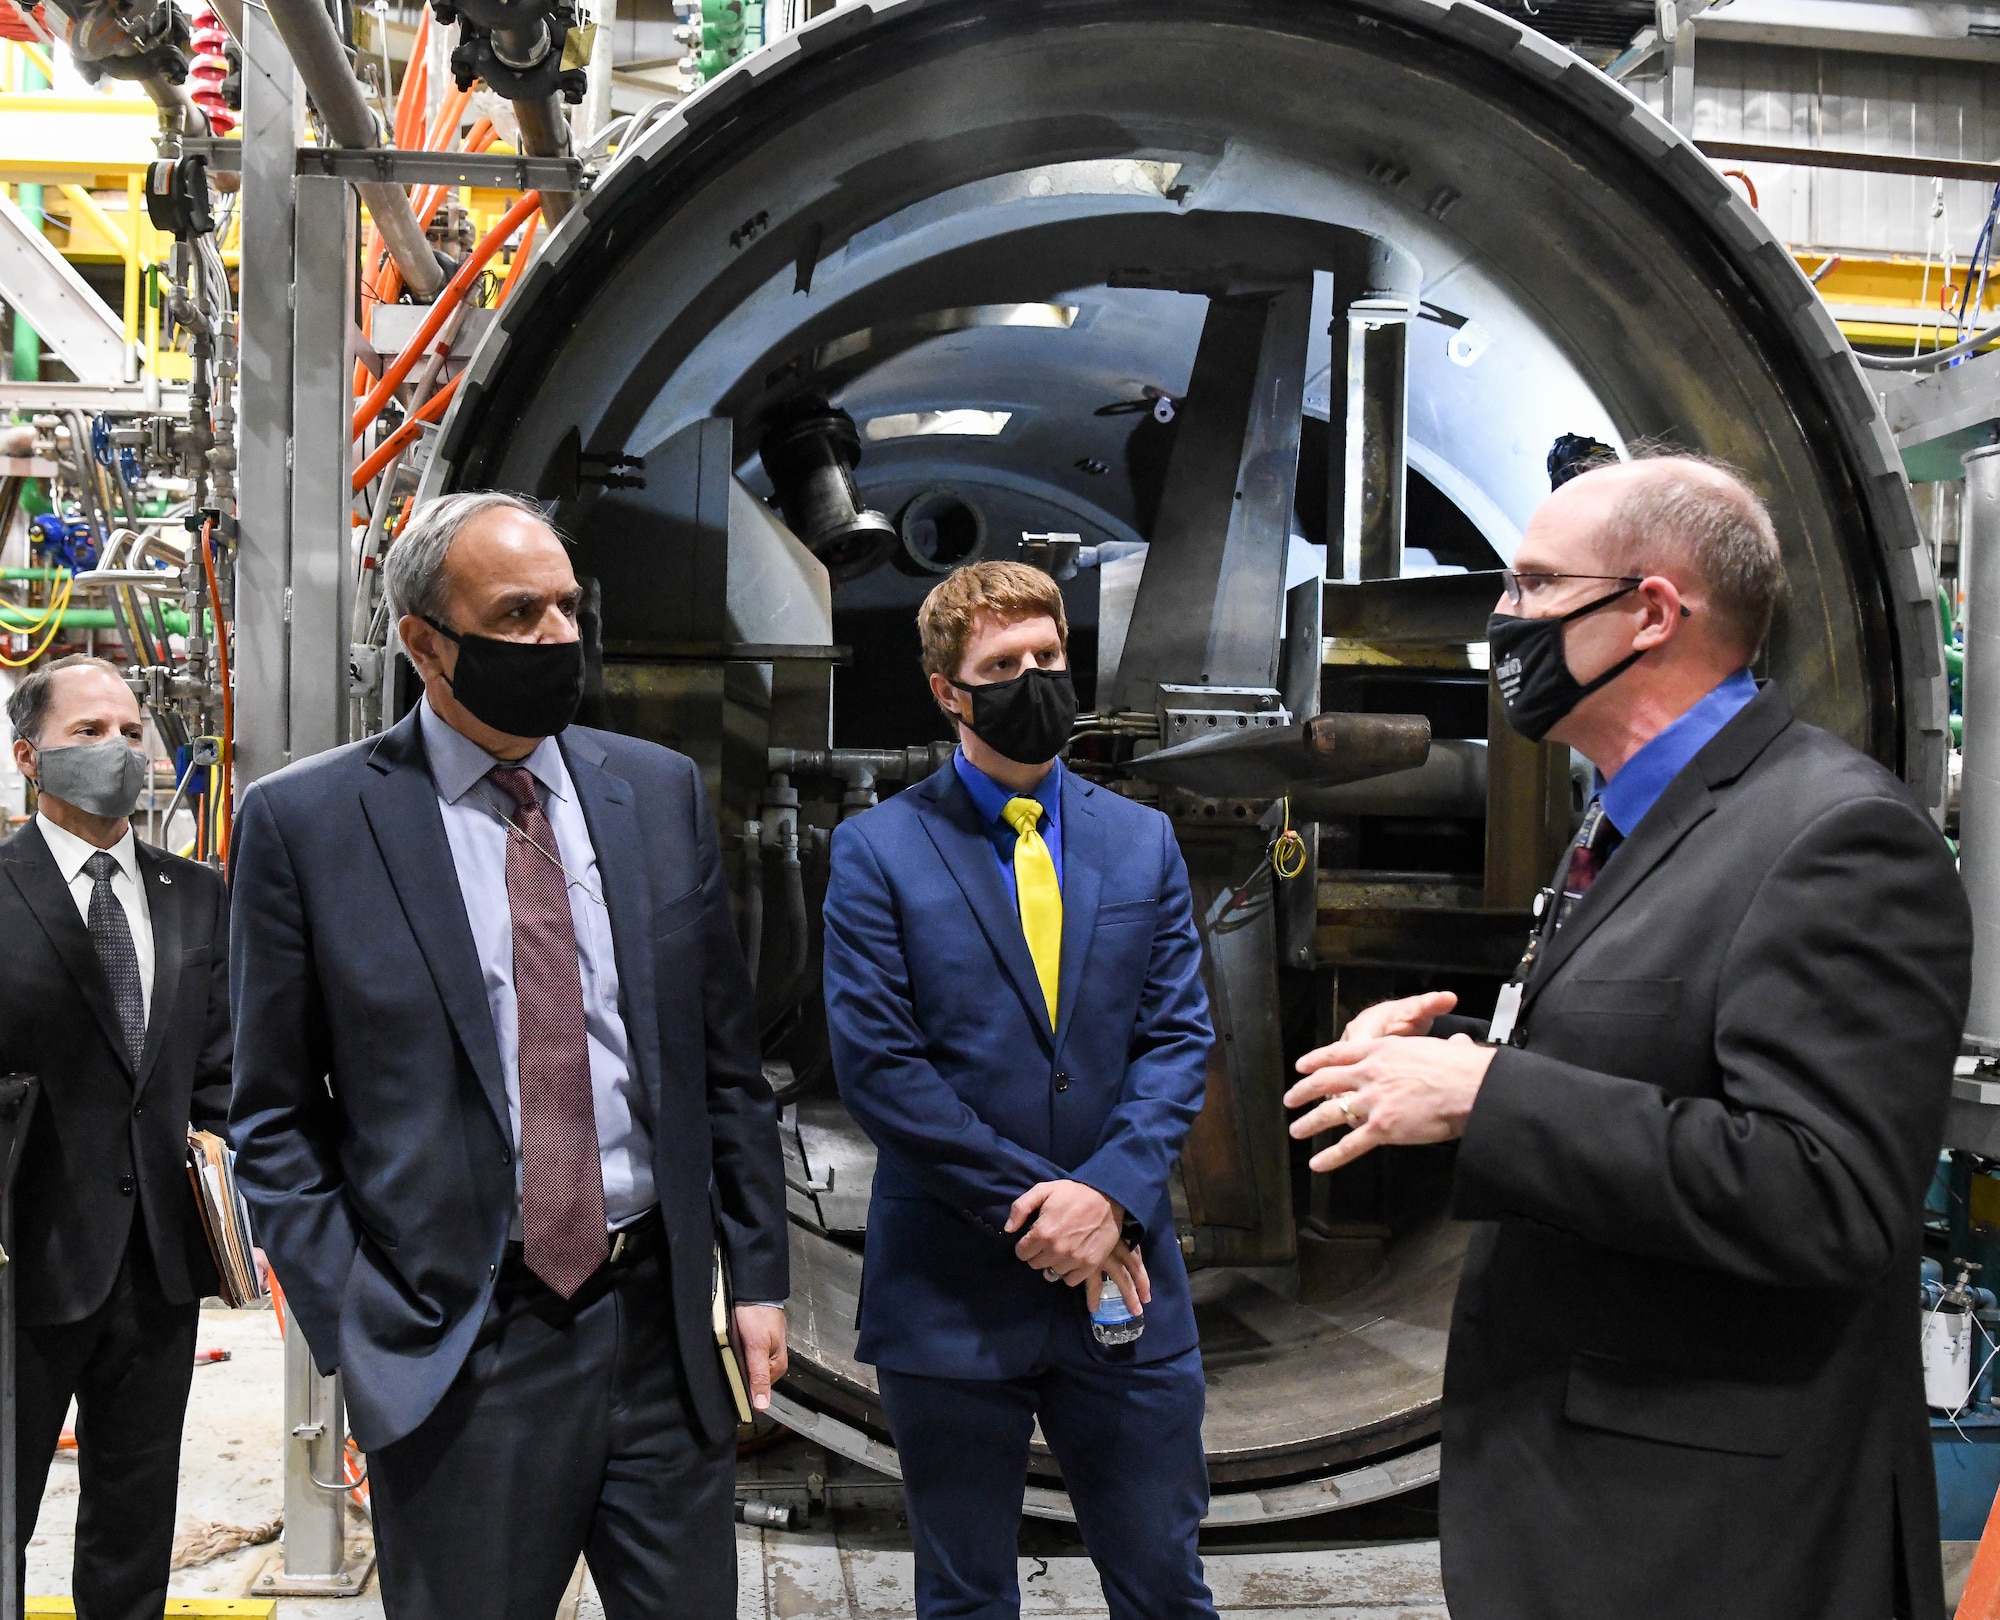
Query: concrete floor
x=854, y=1564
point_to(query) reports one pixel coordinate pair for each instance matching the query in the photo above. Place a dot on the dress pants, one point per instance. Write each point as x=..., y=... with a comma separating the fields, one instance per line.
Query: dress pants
x=128, y=1365
x=566, y=1432
x=1128, y=1438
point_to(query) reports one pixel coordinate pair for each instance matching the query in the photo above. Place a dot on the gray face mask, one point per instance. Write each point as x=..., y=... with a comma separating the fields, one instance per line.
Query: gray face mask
x=103, y=778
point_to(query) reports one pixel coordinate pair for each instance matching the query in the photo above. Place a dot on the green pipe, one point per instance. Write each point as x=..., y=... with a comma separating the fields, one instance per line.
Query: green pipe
x=34, y=573
x=81, y=619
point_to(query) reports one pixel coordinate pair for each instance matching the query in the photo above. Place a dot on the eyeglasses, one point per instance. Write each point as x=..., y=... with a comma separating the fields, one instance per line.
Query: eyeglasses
x=1528, y=582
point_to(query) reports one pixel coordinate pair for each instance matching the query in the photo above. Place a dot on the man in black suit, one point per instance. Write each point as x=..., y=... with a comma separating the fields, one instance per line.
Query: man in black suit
x=498, y=1096
x=116, y=995
x=1684, y=1376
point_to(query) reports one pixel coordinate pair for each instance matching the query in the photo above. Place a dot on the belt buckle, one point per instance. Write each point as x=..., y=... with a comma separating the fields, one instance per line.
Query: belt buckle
x=617, y=1245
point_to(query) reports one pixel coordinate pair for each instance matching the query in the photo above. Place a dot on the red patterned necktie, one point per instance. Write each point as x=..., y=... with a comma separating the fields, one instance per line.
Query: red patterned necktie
x=1596, y=841
x=562, y=1178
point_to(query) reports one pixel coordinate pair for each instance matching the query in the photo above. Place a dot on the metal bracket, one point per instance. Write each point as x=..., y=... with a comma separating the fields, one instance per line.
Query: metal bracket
x=401, y=166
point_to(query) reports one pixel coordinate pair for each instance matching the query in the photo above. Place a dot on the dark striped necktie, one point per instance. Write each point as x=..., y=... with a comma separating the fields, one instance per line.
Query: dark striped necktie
x=111, y=933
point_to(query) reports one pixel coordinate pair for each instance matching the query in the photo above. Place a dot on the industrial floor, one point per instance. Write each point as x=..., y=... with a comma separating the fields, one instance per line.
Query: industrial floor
x=1377, y=1563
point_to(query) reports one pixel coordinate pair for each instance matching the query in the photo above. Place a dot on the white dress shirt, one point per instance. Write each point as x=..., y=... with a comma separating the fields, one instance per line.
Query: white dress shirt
x=71, y=852
x=477, y=815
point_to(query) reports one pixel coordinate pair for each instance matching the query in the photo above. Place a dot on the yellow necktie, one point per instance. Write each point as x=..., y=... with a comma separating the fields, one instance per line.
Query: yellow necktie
x=1040, y=897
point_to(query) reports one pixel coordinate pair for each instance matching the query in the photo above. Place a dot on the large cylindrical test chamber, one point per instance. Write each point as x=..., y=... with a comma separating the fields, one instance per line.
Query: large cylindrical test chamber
x=1255, y=324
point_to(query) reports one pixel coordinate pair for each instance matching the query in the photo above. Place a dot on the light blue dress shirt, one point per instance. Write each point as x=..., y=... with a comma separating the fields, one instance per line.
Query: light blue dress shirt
x=989, y=798
x=477, y=815
x=1644, y=777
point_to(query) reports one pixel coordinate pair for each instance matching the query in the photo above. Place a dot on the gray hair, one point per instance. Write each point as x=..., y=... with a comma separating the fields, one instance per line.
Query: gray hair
x=1702, y=515
x=29, y=703
x=413, y=577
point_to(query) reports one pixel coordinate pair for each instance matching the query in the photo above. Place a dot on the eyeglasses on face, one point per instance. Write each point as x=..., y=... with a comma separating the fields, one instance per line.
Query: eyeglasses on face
x=1526, y=583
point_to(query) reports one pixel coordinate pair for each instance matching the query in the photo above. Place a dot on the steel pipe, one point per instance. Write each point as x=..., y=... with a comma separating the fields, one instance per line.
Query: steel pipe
x=545, y=133
x=321, y=59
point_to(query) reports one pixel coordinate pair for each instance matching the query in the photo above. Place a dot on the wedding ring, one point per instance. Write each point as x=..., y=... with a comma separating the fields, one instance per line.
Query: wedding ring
x=1051, y=1273
x=1346, y=1113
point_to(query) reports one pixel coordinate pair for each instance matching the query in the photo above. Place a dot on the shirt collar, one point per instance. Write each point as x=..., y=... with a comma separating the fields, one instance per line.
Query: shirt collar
x=989, y=798
x=71, y=851
x=1644, y=777
x=458, y=764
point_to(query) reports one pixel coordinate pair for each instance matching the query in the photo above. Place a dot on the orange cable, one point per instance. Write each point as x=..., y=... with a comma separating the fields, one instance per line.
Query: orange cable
x=391, y=447
x=453, y=295
x=223, y=815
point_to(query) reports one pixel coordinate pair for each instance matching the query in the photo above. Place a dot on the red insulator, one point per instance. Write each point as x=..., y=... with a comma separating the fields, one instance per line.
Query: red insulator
x=208, y=67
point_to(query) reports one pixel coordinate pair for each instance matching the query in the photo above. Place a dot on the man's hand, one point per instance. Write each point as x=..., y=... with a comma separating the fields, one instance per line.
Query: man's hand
x=760, y=1334
x=1410, y=1016
x=1128, y=1274
x=1076, y=1228
x=1394, y=1091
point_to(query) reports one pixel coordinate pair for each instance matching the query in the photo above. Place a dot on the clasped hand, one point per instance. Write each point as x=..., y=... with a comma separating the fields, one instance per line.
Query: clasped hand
x=1389, y=1081
x=1076, y=1236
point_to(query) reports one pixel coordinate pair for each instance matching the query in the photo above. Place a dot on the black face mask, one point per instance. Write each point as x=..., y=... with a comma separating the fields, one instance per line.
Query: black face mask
x=1536, y=688
x=1027, y=719
x=524, y=688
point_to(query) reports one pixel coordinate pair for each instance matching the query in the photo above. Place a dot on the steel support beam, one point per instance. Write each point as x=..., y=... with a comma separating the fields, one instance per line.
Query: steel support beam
x=40, y=285
x=273, y=115
x=324, y=315
x=1210, y=603
x=1367, y=495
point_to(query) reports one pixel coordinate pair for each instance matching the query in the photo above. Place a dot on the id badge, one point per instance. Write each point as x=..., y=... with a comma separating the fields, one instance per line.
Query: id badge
x=1506, y=1013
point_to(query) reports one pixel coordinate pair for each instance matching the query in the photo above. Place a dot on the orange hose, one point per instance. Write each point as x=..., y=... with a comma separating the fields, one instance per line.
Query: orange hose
x=391, y=447
x=223, y=815
x=453, y=295
x=520, y=260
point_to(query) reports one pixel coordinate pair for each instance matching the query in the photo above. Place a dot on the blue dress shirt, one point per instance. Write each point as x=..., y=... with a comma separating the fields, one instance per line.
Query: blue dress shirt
x=1644, y=777
x=990, y=798
x=476, y=817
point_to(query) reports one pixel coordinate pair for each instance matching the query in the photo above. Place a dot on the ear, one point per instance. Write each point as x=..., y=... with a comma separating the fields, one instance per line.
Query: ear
x=24, y=757
x=1665, y=613
x=428, y=650
x=947, y=697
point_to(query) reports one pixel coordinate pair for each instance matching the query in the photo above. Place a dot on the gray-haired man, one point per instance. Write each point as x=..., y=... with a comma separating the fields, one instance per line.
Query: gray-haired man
x=498, y=1093
x=1684, y=1375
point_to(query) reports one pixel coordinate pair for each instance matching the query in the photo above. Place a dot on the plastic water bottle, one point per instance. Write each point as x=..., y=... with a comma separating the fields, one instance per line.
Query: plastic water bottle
x=1112, y=1322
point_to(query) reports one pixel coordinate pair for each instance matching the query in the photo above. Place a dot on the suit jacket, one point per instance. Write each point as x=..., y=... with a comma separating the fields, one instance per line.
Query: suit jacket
x=370, y=1107
x=108, y=1142
x=1684, y=1374
x=944, y=1055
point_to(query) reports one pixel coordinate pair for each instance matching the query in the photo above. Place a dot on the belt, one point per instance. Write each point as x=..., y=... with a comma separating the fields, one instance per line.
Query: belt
x=629, y=1244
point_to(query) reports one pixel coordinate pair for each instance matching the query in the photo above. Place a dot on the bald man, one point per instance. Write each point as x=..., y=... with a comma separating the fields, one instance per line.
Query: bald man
x=1684, y=1376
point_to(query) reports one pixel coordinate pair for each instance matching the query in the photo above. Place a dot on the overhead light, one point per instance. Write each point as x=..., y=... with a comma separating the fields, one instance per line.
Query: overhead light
x=933, y=424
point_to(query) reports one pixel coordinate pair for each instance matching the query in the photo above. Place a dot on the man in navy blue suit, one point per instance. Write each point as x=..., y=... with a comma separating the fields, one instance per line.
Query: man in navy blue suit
x=1013, y=984
x=497, y=1098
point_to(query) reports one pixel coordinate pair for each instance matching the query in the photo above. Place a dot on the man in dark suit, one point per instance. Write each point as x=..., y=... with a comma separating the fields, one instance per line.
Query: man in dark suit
x=116, y=995
x=498, y=1096
x=1014, y=992
x=1684, y=1376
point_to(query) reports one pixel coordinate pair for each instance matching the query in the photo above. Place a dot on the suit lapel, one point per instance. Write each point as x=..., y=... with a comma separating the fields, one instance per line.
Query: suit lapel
x=401, y=805
x=165, y=901
x=35, y=873
x=952, y=822
x=1083, y=877
x=610, y=812
x=1687, y=802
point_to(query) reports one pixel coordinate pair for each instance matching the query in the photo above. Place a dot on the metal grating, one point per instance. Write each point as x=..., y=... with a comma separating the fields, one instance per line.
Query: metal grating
x=1596, y=29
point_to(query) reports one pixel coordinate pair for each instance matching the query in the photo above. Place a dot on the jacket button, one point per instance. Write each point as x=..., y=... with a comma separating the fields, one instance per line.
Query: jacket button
x=127, y=1185
x=506, y=1155
x=138, y=1109
x=1062, y=1082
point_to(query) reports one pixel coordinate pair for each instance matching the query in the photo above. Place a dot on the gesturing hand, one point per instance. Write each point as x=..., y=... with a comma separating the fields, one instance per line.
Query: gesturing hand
x=1394, y=1091
x=1412, y=1015
x=760, y=1332
x=1076, y=1228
